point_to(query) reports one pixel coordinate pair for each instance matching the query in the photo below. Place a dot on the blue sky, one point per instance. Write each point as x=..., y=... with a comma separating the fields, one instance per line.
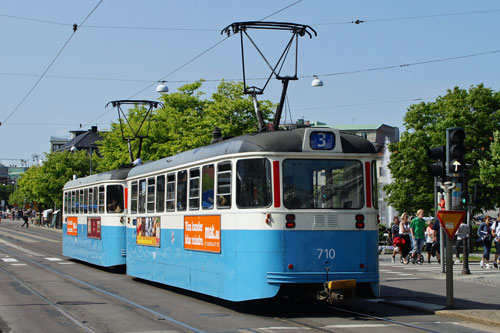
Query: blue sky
x=395, y=33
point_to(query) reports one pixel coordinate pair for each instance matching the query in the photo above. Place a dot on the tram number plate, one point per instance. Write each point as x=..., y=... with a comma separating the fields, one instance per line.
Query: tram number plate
x=326, y=253
x=322, y=140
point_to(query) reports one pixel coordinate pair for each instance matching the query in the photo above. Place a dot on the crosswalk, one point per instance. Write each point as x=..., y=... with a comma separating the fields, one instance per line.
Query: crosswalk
x=392, y=271
x=9, y=260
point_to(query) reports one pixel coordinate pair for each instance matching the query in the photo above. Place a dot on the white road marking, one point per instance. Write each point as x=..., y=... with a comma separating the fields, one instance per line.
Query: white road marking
x=20, y=248
x=66, y=263
x=53, y=259
x=20, y=264
x=9, y=260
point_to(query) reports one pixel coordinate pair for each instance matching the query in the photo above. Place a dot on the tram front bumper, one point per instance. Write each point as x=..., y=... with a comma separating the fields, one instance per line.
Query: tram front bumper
x=338, y=290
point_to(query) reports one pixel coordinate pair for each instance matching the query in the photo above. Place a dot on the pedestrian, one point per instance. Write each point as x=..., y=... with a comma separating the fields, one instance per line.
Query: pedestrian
x=485, y=237
x=25, y=219
x=404, y=233
x=429, y=239
x=417, y=228
x=435, y=244
x=495, y=232
x=395, y=233
x=462, y=235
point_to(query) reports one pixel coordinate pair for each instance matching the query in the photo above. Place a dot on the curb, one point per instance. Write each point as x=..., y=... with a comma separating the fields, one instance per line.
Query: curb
x=465, y=316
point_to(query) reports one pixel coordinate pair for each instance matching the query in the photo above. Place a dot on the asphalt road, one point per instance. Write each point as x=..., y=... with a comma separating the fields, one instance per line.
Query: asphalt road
x=43, y=291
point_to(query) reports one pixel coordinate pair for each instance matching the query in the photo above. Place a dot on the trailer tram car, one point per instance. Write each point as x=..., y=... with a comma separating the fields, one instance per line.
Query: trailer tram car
x=247, y=218
x=94, y=218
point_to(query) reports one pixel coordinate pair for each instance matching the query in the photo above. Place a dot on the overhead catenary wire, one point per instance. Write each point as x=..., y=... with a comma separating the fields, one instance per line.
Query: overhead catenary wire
x=189, y=61
x=373, y=69
x=75, y=29
x=358, y=21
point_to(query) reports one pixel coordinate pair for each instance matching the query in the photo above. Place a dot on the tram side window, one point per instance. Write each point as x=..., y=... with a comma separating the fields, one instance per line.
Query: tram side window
x=181, y=190
x=374, y=185
x=207, y=187
x=142, y=196
x=171, y=192
x=253, y=183
x=160, y=194
x=101, y=199
x=133, y=198
x=73, y=202
x=150, y=206
x=114, y=199
x=194, y=189
x=91, y=200
x=82, y=202
x=224, y=185
x=85, y=200
x=65, y=202
x=95, y=200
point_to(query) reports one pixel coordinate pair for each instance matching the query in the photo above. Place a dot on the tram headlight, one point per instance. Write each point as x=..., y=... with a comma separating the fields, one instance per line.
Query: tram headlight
x=290, y=221
x=360, y=221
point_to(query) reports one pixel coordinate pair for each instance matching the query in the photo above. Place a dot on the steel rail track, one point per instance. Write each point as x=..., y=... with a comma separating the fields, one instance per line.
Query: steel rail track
x=88, y=285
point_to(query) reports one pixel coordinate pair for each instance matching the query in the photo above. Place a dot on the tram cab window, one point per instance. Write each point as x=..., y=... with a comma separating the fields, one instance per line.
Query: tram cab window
x=114, y=199
x=253, y=183
x=133, y=198
x=101, y=199
x=151, y=195
x=224, y=185
x=207, y=187
x=327, y=184
x=194, y=189
x=160, y=194
x=142, y=196
x=85, y=200
x=170, y=192
x=181, y=190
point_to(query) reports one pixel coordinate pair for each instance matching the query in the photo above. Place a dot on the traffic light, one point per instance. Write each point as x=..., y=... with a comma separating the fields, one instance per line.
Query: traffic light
x=455, y=151
x=464, y=198
x=437, y=169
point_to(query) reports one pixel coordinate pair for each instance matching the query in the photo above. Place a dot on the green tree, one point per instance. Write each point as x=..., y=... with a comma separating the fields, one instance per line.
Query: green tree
x=44, y=184
x=490, y=168
x=186, y=122
x=477, y=110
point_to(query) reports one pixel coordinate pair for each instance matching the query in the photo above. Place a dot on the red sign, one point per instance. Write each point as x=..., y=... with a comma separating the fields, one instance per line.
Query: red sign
x=94, y=227
x=450, y=220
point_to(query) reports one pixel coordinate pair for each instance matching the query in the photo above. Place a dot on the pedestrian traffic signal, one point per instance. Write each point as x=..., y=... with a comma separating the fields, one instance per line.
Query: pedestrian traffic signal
x=455, y=151
x=437, y=169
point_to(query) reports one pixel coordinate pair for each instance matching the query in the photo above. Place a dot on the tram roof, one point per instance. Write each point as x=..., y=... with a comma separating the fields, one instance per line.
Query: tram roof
x=120, y=174
x=278, y=141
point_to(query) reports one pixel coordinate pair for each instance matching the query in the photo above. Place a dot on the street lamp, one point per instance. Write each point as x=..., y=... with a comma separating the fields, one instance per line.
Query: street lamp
x=316, y=82
x=162, y=88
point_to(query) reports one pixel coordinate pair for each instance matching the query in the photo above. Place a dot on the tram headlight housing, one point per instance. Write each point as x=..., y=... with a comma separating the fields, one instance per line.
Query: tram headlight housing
x=360, y=221
x=290, y=221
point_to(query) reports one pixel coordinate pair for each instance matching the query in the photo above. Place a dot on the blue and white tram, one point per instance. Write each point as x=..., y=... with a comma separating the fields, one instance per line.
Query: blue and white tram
x=251, y=216
x=94, y=218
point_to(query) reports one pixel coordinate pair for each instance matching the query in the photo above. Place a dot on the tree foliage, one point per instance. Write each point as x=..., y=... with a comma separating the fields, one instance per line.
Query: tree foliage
x=43, y=184
x=477, y=110
x=185, y=122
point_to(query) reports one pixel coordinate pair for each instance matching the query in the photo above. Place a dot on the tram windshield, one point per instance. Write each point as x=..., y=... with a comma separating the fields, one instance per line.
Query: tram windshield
x=330, y=184
x=114, y=198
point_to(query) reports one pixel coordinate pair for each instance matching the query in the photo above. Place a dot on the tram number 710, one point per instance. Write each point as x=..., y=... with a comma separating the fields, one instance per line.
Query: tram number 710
x=326, y=253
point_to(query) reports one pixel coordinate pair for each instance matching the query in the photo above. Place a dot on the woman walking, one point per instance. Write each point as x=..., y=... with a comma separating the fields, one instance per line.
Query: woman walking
x=404, y=233
x=484, y=233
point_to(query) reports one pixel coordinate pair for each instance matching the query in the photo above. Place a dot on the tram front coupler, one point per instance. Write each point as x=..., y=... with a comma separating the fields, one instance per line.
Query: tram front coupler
x=337, y=291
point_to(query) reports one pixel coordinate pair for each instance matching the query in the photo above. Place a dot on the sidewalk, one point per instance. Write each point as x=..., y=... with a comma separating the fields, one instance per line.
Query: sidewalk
x=476, y=296
x=31, y=225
